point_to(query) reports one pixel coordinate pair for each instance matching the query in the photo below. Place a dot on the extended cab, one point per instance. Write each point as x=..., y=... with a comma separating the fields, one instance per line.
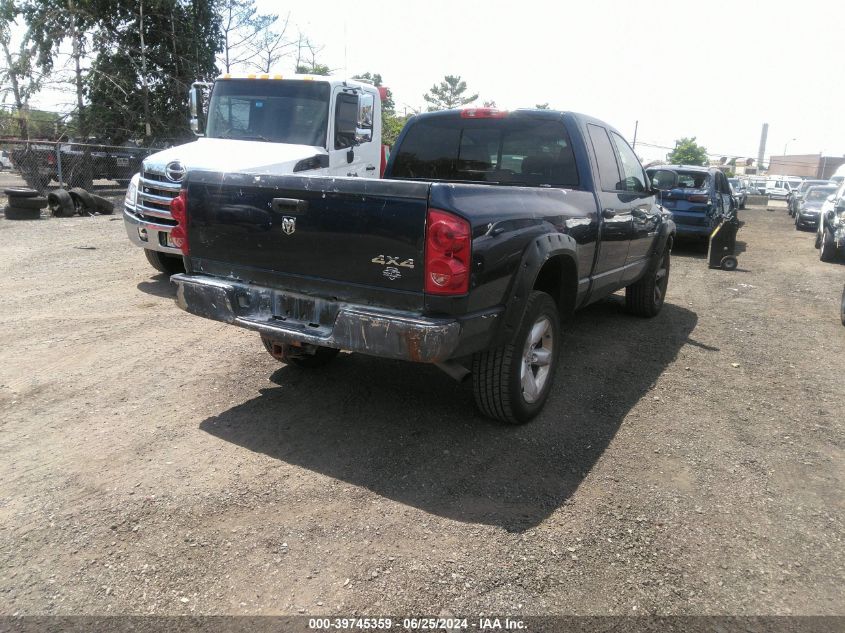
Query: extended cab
x=488, y=228
x=259, y=124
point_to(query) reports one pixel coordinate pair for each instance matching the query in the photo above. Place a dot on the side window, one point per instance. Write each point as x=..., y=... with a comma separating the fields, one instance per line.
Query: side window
x=345, y=120
x=606, y=159
x=631, y=168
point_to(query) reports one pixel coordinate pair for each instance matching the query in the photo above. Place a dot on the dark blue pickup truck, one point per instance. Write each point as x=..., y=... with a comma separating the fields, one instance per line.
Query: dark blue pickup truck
x=487, y=229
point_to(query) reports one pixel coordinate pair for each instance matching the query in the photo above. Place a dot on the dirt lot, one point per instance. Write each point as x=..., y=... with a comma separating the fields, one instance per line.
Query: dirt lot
x=156, y=462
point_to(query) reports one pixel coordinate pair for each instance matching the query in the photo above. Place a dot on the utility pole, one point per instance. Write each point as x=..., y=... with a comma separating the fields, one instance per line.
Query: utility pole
x=634, y=144
x=762, y=151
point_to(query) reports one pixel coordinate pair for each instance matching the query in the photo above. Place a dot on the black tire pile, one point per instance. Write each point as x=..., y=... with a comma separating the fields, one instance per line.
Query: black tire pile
x=23, y=203
x=64, y=204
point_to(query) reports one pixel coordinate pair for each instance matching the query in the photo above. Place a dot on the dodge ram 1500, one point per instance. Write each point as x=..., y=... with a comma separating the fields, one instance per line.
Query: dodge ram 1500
x=488, y=229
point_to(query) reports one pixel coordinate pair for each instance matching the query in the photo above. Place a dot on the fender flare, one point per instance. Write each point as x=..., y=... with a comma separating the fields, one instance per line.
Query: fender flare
x=667, y=230
x=541, y=249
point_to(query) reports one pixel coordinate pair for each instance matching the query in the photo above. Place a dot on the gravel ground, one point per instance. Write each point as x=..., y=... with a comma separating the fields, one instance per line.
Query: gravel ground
x=152, y=462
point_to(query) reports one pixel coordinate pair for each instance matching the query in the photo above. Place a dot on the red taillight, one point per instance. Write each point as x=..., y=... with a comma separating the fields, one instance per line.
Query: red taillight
x=483, y=113
x=51, y=159
x=179, y=211
x=698, y=197
x=448, y=245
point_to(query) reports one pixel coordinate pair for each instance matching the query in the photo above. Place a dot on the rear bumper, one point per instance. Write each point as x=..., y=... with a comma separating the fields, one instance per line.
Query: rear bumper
x=364, y=329
x=137, y=228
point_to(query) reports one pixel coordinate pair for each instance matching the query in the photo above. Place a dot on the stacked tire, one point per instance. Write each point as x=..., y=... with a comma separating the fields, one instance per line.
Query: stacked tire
x=23, y=203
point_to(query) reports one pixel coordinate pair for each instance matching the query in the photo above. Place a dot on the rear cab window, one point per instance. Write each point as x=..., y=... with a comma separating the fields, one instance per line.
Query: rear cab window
x=514, y=150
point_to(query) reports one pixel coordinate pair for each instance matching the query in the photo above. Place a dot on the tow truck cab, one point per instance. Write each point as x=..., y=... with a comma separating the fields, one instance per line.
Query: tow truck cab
x=263, y=124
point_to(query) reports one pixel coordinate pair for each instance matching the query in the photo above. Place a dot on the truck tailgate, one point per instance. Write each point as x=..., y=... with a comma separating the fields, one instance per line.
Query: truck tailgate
x=356, y=230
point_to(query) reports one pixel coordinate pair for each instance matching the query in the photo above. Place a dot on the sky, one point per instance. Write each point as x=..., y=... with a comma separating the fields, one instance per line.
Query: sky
x=714, y=70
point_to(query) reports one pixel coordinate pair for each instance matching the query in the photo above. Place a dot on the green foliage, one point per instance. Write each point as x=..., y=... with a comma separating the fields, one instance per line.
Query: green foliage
x=687, y=152
x=542, y=106
x=448, y=94
x=114, y=83
x=37, y=124
x=311, y=68
x=391, y=126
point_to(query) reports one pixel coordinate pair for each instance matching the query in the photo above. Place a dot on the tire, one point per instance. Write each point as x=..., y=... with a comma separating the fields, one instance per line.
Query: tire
x=287, y=355
x=742, y=206
x=35, y=202
x=102, y=205
x=645, y=297
x=83, y=201
x=818, y=242
x=20, y=192
x=729, y=263
x=61, y=204
x=506, y=384
x=165, y=263
x=827, y=249
x=18, y=213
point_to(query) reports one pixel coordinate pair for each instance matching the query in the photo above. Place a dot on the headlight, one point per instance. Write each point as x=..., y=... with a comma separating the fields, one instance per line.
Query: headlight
x=132, y=192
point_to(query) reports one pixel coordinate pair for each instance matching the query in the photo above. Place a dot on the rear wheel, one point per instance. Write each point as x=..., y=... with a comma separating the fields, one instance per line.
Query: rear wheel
x=513, y=382
x=827, y=250
x=306, y=356
x=646, y=297
x=164, y=263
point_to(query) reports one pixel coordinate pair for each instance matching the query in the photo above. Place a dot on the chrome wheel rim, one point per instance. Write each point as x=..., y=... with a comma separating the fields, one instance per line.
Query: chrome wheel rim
x=536, y=359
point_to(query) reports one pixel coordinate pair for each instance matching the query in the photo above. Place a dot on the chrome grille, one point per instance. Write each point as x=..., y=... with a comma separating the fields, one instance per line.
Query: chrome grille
x=154, y=195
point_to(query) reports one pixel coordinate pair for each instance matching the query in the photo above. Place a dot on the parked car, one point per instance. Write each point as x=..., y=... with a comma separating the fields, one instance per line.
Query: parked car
x=795, y=197
x=758, y=185
x=740, y=188
x=81, y=163
x=487, y=227
x=779, y=188
x=5, y=160
x=810, y=207
x=698, y=197
x=830, y=234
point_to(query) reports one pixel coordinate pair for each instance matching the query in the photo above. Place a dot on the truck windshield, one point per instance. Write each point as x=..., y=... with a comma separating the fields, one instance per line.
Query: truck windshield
x=295, y=112
x=516, y=150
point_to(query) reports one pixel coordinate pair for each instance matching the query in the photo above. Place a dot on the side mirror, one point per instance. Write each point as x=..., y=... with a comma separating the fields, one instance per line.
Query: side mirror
x=662, y=179
x=197, y=98
x=364, y=129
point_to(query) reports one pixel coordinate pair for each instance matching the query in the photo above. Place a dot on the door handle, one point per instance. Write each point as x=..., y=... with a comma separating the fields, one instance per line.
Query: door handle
x=608, y=213
x=370, y=168
x=290, y=205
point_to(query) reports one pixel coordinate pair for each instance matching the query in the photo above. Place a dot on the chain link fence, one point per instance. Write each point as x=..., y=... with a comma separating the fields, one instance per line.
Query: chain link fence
x=44, y=165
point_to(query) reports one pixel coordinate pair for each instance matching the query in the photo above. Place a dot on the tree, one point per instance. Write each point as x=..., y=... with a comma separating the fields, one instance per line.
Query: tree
x=306, y=58
x=17, y=73
x=490, y=104
x=135, y=51
x=241, y=28
x=687, y=152
x=449, y=94
x=542, y=106
x=270, y=47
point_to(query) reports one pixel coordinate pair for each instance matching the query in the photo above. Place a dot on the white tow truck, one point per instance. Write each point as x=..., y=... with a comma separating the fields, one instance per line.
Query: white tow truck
x=264, y=124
